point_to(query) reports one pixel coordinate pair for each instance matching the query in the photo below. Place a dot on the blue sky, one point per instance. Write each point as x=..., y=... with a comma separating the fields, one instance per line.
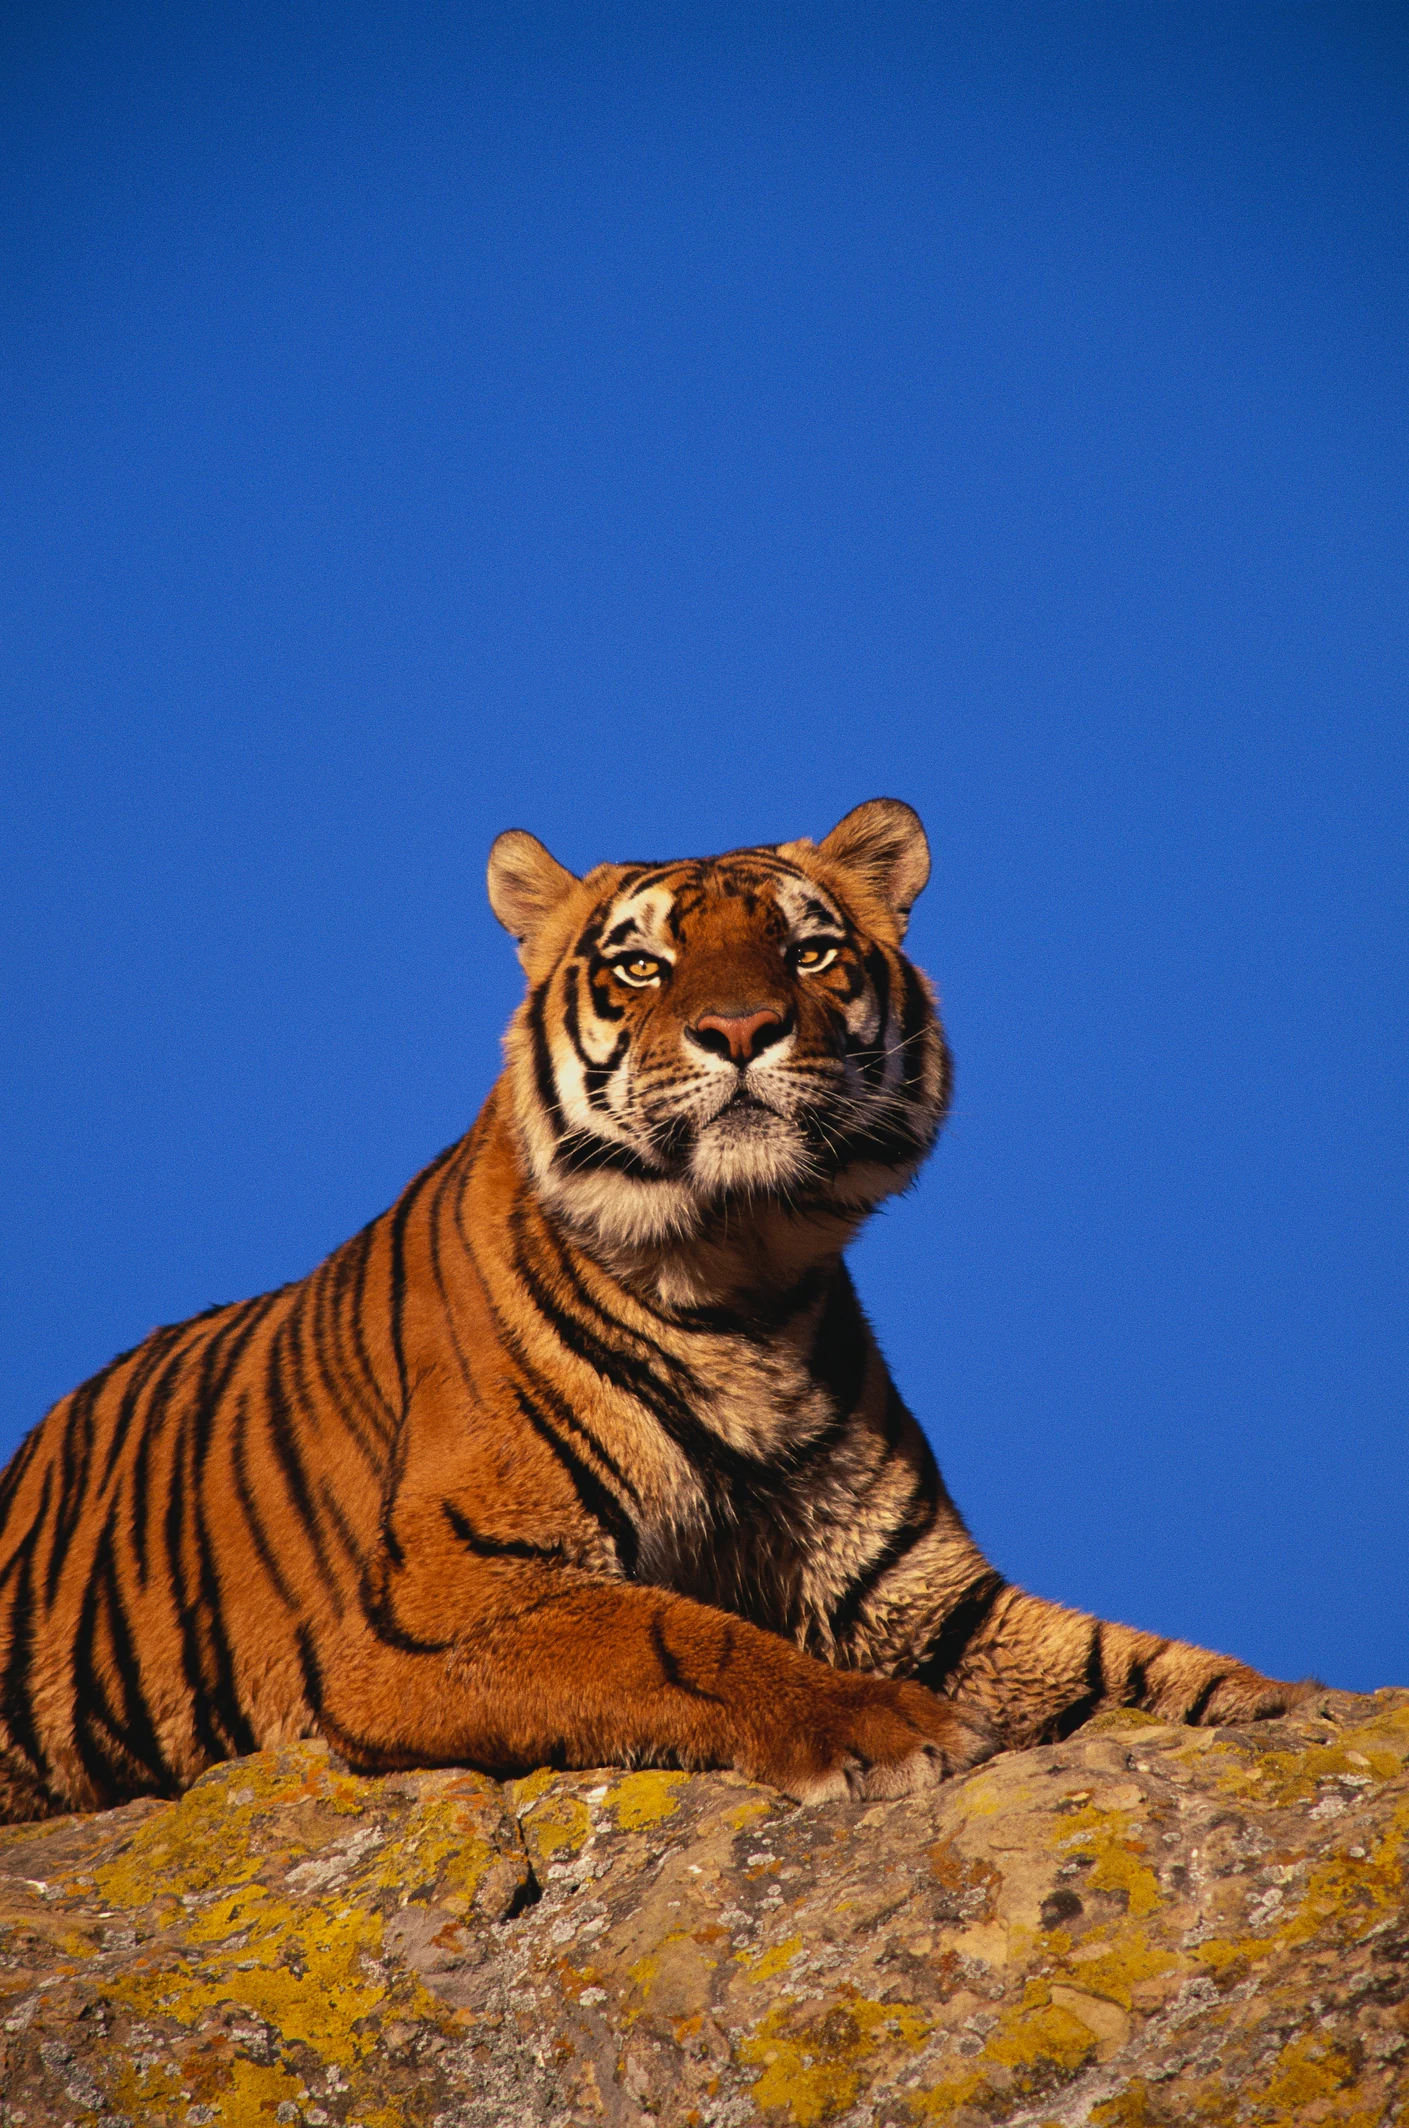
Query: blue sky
x=662, y=428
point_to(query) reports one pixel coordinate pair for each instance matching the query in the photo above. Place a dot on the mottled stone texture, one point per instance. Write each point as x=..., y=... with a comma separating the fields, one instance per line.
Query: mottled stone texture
x=1141, y=1925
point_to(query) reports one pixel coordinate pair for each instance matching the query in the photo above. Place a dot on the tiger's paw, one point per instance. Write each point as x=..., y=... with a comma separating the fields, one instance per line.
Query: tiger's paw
x=1246, y=1696
x=875, y=1738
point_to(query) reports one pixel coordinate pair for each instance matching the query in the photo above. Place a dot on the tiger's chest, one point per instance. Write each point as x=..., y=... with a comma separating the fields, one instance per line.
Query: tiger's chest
x=762, y=1488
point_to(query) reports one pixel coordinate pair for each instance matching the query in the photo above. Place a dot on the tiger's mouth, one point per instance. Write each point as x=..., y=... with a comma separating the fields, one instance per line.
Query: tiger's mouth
x=744, y=1098
x=738, y=1105
x=747, y=1146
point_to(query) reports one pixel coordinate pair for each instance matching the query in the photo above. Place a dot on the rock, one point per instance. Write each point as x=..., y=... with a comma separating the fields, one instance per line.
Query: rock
x=1141, y=1925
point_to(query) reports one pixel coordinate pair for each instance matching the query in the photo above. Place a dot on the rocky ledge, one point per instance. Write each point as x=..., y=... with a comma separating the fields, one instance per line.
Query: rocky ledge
x=1140, y=1925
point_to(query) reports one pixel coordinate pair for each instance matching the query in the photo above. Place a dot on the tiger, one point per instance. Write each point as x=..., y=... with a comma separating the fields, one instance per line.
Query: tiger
x=582, y=1454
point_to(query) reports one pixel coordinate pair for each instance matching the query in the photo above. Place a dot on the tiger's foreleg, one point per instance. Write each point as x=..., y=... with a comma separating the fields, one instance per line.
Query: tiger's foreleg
x=546, y=1666
x=1036, y=1671
x=933, y=1608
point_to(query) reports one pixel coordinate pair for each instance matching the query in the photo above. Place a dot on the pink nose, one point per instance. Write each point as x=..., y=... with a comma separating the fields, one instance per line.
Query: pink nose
x=741, y=1037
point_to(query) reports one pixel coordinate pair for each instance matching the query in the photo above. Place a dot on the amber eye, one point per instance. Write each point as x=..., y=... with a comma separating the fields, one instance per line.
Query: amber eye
x=638, y=969
x=812, y=958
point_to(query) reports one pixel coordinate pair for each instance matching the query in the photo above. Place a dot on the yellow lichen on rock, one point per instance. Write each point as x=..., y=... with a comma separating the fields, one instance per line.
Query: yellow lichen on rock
x=207, y=1838
x=1370, y=1751
x=812, y=2066
x=231, y=2088
x=1115, y=1853
x=764, y=1965
x=1311, y=2080
x=1038, y=2037
x=1116, y=1963
x=642, y=1799
x=554, y=1825
x=1136, y=1927
x=304, y=1974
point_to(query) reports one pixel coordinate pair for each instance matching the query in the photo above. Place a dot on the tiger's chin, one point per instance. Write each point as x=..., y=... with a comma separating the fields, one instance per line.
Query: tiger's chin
x=749, y=1152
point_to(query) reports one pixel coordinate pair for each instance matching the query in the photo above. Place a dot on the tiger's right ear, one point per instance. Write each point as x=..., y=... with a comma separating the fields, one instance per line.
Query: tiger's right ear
x=526, y=882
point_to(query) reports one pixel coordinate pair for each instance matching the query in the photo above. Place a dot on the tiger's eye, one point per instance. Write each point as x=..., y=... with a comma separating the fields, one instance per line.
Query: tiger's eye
x=808, y=960
x=638, y=970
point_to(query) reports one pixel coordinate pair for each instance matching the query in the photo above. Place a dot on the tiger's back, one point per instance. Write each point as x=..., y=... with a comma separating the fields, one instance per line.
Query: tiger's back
x=175, y=1526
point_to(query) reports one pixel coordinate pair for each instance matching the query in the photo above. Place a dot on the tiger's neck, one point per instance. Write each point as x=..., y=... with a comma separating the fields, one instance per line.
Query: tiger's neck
x=681, y=1370
x=748, y=1256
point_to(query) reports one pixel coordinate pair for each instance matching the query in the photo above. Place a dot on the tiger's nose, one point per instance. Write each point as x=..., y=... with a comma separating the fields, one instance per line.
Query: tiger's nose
x=742, y=1036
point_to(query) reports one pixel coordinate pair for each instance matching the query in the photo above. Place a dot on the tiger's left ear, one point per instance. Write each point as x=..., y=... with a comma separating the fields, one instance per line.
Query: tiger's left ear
x=883, y=841
x=526, y=882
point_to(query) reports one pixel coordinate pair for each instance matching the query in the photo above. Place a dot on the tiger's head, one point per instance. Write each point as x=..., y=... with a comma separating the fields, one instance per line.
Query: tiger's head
x=723, y=1033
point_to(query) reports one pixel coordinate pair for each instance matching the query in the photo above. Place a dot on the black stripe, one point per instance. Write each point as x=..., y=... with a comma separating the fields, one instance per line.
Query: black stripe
x=220, y=1721
x=180, y=1500
x=600, y=1505
x=342, y=1528
x=915, y=1524
x=339, y=1390
x=705, y=1450
x=579, y=1153
x=596, y=948
x=915, y=1017
x=451, y=1329
x=138, y=1765
x=219, y=1350
x=888, y=1142
x=1198, y=1707
x=16, y=1705
x=542, y=1389
x=15, y=1471
x=1090, y=1701
x=364, y=1245
x=683, y=870
x=594, y=1076
x=544, y=1077
x=967, y=1617
x=1137, y=1677
x=312, y=1673
x=75, y=1451
x=223, y=1352
x=153, y=1418
x=767, y=1313
x=396, y=1297
x=138, y=1731
x=308, y=1419
x=681, y=1375
x=842, y=1346
x=391, y=1484
x=670, y=1667
x=283, y=1430
x=149, y=1356
x=379, y=1615
x=254, y=1522
x=872, y=1055
x=608, y=998
x=495, y=1547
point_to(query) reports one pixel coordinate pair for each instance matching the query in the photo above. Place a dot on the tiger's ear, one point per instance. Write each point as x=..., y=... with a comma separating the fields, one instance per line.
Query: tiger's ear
x=526, y=882
x=883, y=841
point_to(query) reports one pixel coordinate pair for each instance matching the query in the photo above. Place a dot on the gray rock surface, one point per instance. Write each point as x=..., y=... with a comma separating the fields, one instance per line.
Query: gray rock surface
x=1141, y=1925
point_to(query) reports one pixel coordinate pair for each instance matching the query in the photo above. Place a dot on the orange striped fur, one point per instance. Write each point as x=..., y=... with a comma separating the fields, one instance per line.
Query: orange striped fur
x=583, y=1453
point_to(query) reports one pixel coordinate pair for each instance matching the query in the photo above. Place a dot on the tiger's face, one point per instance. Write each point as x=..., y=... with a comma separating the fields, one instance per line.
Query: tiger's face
x=713, y=1034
